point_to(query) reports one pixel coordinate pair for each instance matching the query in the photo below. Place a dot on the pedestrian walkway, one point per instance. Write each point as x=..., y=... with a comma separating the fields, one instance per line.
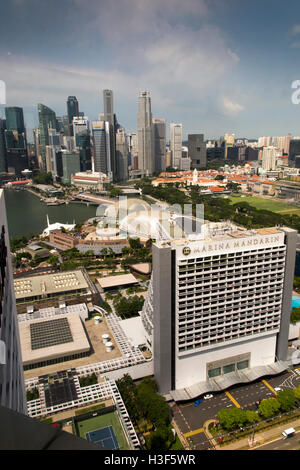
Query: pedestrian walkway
x=260, y=438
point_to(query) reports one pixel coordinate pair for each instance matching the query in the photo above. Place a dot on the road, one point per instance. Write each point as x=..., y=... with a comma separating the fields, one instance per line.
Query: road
x=291, y=443
x=191, y=419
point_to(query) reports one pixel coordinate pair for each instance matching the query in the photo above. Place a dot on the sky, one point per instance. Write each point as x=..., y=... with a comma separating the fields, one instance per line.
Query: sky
x=216, y=66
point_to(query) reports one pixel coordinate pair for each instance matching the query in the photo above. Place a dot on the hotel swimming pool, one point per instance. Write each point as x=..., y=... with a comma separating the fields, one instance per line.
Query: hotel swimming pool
x=295, y=301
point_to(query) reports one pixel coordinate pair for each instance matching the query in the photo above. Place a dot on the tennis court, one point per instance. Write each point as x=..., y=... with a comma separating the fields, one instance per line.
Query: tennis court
x=105, y=430
x=105, y=437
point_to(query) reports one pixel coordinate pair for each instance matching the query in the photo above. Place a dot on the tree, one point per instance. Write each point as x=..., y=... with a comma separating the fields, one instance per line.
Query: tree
x=251, y=416
x=134, y=243
x=231, y=418
x=53, y=260
x=231, y=186
x=269, y=407
x=286, y=399
x=296, y=392
x=295, y=314
x=160, y=439
x=43, y=178
x=115, y=192
x=103, y=252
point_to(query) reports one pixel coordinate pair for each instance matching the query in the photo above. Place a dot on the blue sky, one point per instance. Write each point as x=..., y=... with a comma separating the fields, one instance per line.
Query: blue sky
x=217, y=66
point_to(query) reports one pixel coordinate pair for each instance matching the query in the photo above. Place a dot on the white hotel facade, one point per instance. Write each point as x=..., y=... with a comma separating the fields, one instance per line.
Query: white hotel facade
x=218, y=309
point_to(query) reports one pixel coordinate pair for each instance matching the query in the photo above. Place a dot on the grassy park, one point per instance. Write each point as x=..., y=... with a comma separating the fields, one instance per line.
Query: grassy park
x=261, y=203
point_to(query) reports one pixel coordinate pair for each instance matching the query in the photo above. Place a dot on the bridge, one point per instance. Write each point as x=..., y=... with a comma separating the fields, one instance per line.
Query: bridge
x=92, y=199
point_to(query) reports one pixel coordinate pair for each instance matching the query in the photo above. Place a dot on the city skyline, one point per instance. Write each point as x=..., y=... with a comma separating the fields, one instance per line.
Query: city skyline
x=230, y=82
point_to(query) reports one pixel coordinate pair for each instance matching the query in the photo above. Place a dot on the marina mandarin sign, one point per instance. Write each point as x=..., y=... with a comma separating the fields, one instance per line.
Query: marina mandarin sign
x=232, y=245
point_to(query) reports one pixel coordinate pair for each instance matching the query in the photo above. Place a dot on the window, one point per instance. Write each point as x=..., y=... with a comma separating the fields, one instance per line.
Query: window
x=242, y=365
x=228, y=368
x=214, y=372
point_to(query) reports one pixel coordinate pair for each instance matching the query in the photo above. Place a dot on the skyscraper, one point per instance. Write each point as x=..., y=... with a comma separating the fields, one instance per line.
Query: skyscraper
x=109, y=116
x=70, y=165
x=72, y=111
x=15, y=119
x=175, y=144
x=3, y=162
x=121, y=154
x=217, y=311
x=159, y=131
x=12, y=388
x=80, y=124
x=269, y=157
x=15, y=139
x=47, y=120
x=145, y=135
x=229, y=142
x=101, y=140
x=197, y=150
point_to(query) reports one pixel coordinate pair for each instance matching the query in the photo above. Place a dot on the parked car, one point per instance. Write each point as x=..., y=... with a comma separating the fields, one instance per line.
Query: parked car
x=207, y=396
x=278, y=389
x=197, y=402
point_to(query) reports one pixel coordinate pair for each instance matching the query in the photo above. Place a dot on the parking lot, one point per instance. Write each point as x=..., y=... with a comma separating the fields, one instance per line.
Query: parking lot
x=191, y=418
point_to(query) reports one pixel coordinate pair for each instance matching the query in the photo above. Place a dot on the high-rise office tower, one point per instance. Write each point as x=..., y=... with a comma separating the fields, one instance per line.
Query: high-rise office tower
x=36, y=140
x=72, y=111
x=80, y=124
x=108, y=102
x=110, y=117
x=185, y=161
x=83, y=145
x=101, y=140
x=12, y=388
x=47, y=120
x=175, y=144
x=159, y=132
x=218, y=309
x=15, y=139
x=197, y=150
x=145, y=135
x=3, y=160
x=294, y=152
x=229, y=142
x=15, y=119
x=70, y=165
x=122, y=154
x=132, y=149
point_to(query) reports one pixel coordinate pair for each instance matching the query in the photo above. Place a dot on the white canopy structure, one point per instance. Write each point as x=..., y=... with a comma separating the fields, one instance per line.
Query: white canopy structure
x=57, y=226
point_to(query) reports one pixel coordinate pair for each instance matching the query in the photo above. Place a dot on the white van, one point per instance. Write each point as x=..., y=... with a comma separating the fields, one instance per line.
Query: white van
x=288, y=433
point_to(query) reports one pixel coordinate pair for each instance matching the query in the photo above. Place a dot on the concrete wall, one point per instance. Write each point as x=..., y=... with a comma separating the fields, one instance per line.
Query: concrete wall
x=283, y=336
x=136, y=372
x=193, y=368
x=162, y=311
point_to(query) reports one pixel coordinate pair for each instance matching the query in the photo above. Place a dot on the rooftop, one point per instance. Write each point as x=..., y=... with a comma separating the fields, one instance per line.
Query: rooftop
x=34, y=286
x=115, y=281
x=47, y=339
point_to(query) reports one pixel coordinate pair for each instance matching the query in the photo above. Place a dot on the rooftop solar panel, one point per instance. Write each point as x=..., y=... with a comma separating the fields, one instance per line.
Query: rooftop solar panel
x=50, y=333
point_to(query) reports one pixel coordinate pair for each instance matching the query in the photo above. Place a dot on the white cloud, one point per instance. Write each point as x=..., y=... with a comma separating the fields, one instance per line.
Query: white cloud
x=295, y=30
x=295, y=45
x=231, y=108
x=171, y=48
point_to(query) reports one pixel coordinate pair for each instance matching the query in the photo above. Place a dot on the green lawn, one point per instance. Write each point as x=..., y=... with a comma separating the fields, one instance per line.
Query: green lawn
x=266, y=204
x=108, y=419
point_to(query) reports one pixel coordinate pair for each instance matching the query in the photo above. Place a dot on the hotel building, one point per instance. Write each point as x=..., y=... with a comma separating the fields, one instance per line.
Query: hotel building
x=218, y=309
